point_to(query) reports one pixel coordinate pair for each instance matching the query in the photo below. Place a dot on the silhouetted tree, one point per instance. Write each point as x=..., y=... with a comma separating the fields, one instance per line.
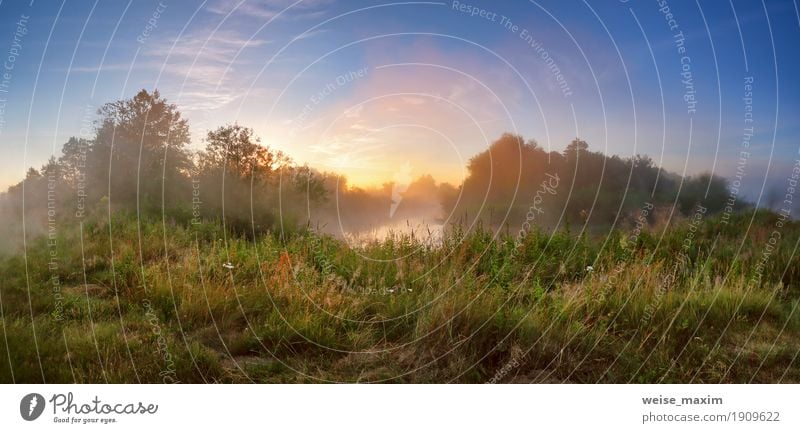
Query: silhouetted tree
x=235, y=150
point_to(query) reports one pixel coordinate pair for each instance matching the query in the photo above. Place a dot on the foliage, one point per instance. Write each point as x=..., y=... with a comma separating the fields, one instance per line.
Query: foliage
x=307, y=307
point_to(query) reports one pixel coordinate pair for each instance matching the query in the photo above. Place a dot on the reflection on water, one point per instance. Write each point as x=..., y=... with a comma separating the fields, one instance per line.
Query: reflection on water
x=424, y=231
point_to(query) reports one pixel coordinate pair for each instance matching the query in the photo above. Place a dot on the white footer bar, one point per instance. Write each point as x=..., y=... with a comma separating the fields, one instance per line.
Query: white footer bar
x=400, y=408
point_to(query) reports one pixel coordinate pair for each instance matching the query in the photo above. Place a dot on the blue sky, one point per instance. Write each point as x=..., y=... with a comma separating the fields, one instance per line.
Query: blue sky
x=363, y=87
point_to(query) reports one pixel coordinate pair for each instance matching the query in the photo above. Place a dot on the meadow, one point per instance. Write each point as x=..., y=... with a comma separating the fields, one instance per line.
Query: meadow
x=130, y=299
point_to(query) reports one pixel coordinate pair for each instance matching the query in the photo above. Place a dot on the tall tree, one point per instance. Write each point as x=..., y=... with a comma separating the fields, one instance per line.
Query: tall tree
x=140, y=151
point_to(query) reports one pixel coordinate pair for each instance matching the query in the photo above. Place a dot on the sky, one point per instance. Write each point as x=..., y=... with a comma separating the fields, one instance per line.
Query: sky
x=371, y=88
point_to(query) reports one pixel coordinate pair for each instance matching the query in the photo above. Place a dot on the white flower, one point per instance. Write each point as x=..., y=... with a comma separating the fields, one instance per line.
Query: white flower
x=227, y=265
x=589, y=268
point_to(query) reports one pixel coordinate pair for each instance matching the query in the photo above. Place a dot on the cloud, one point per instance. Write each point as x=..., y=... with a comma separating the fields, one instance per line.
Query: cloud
x=109, y=67
x=310, y=34
x=412, y=100
x=221, y=46
x=374, y=123
x=268, y=9
x=210, y=64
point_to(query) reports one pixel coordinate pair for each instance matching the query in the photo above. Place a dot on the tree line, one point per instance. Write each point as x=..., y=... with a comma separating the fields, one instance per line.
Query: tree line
x=139, y=161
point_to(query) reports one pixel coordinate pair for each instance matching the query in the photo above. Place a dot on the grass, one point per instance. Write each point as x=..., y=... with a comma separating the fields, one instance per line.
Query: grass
x=145, y=301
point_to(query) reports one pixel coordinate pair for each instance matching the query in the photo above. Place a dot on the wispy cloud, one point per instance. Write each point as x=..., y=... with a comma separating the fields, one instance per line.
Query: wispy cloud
x=109, y=67
x=220, y=46
x=210, y=65
x=269, y=8
x=310, y=34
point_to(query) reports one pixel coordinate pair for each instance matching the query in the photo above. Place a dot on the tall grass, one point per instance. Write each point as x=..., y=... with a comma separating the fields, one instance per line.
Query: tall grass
x=148, y=301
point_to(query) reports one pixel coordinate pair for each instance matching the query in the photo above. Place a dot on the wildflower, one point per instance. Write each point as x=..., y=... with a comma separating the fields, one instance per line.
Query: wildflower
x=227, y=265
x=589, y=268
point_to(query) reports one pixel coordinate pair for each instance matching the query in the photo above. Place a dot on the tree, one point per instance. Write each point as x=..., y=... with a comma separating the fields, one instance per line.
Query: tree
x=773, y=197
x=706, y=190
x=309, y=182
x=504, y=172
x=237, y=151
x=73, y=160
x=239, y=180
x=139, y=154
x=576, y=148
